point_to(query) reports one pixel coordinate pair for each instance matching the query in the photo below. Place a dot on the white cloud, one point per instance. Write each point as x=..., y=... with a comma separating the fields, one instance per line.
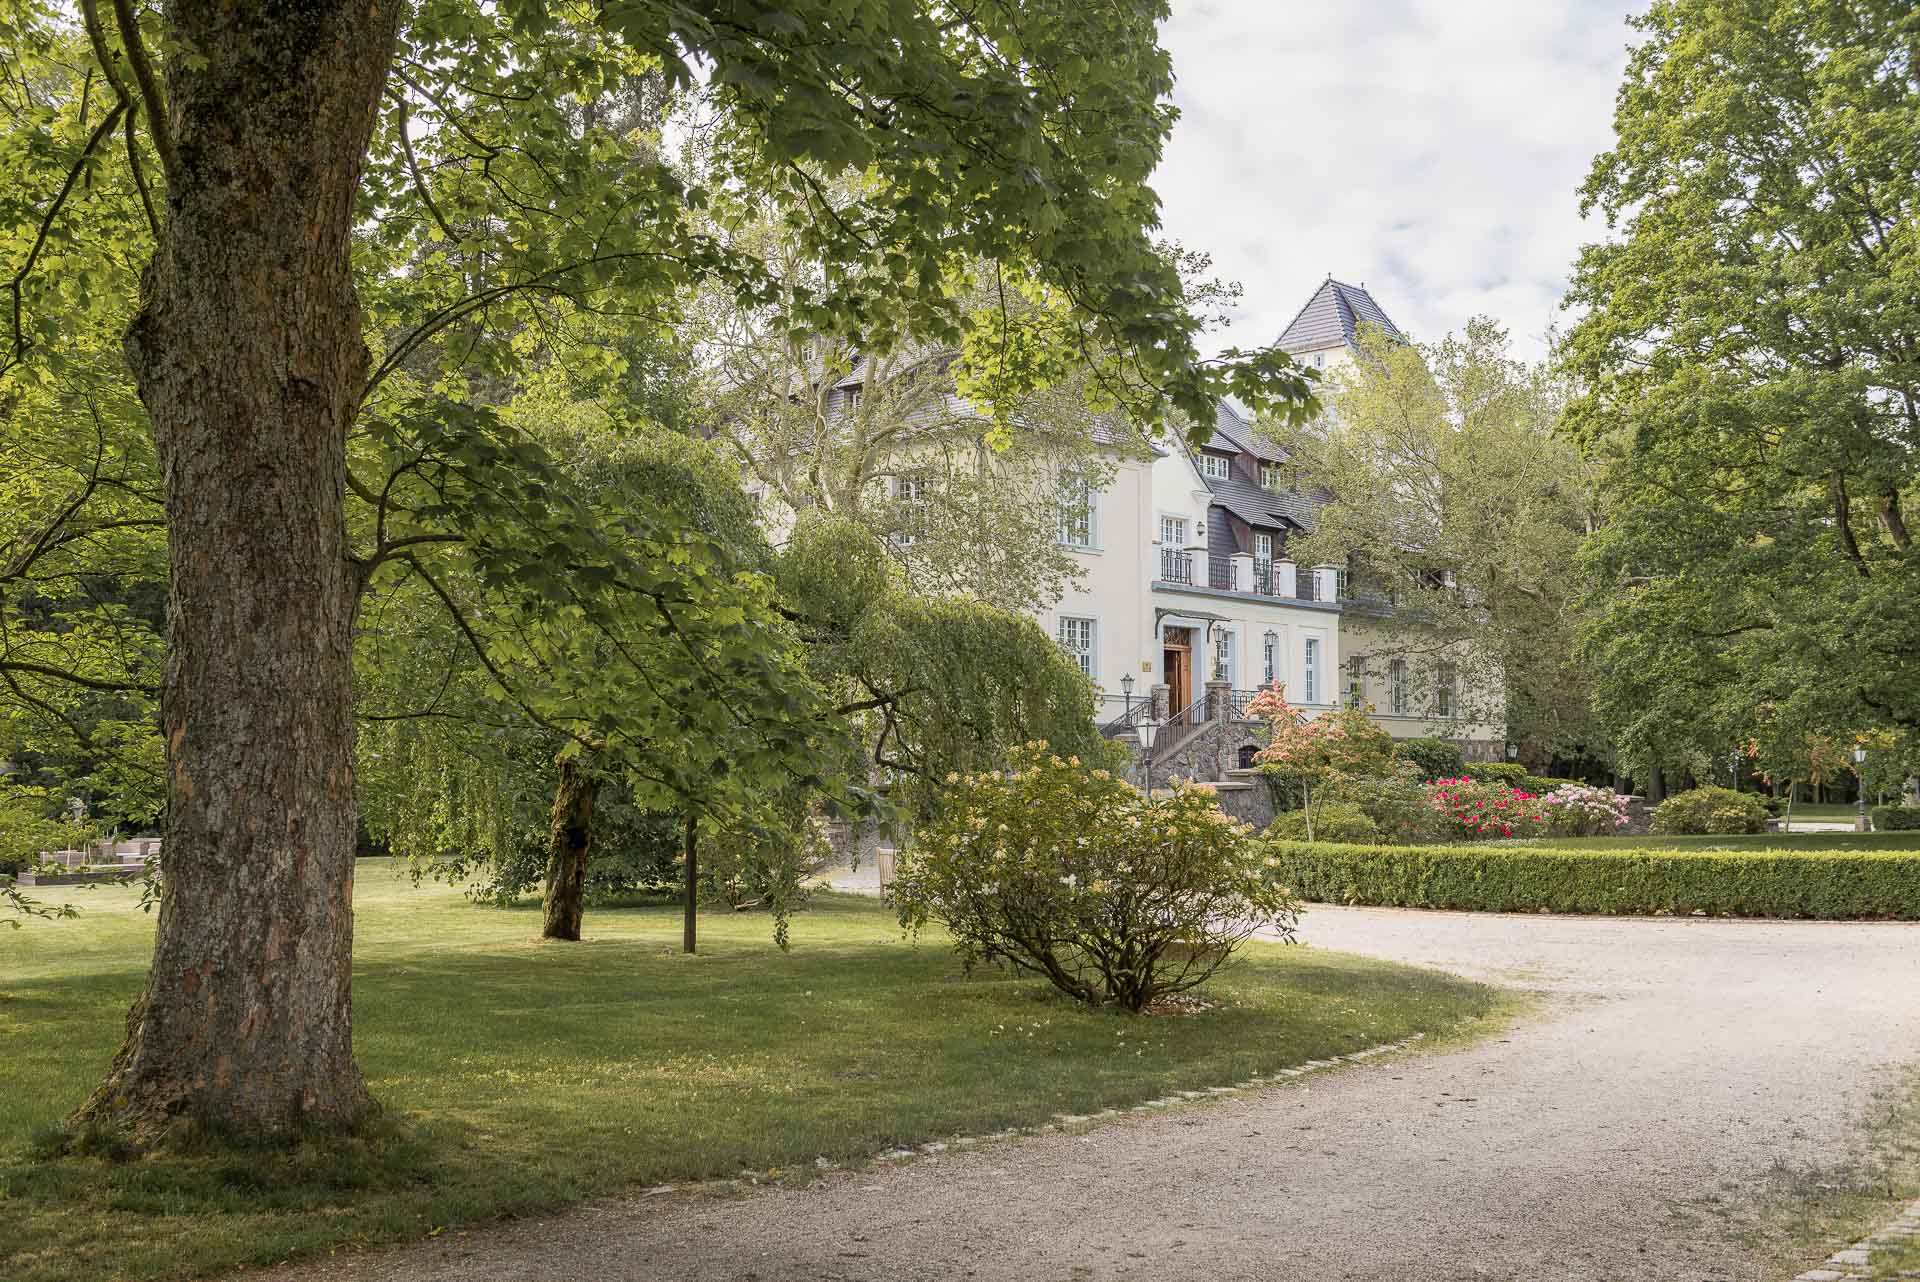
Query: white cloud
x=1430, y=148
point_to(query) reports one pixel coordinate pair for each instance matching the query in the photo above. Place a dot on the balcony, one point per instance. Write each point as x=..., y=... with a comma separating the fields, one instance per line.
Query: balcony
x=1244, y=576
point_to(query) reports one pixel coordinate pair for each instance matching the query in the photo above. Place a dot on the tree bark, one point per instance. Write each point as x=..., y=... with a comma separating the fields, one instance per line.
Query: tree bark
x=248, y=355
x=567, y=851
x=692, y=852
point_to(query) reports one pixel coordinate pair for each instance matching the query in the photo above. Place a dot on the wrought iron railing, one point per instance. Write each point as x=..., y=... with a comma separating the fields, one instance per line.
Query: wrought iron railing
x=1129, y=721
x=1193, y=714
x=1219, y=574
x=1176, y=566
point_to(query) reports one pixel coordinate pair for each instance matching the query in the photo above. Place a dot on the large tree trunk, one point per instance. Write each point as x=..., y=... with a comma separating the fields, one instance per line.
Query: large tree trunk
x=569, y=845
x=249, y=356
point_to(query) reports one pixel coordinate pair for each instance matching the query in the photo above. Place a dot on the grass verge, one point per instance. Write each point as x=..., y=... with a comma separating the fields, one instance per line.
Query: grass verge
x=518, y=1077
x=1648, y=875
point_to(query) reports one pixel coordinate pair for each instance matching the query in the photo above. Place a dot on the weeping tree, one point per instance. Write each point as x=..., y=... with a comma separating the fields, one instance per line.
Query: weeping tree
x=355, y=217
x=938, y=685
x=650, y=698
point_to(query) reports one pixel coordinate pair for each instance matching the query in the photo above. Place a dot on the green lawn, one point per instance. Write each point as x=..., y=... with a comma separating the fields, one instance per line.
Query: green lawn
x=520, y=1076
x=1783, y=841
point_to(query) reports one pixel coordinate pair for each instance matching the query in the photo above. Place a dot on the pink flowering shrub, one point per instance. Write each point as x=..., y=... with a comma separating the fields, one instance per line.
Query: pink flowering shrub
x=1576, y=810
x=1068, y=872
x=1476, y=810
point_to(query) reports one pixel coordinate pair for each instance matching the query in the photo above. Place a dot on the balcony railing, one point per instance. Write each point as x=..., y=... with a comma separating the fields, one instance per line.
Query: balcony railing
x=1176, y=566
x=1268, y=582
x=1219, y=574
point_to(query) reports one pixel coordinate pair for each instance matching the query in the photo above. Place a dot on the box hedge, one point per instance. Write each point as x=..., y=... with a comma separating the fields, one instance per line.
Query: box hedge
x=1788, y=883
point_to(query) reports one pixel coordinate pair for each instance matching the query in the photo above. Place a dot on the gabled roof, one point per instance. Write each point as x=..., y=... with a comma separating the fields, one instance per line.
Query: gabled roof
x=1232, y=434
x=1267, y=509
x=1333, y=316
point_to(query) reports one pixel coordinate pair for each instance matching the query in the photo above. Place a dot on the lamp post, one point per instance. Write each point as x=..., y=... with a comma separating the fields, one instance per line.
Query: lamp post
x=1149, y=730
x=1126, y=691
x=1860, y=788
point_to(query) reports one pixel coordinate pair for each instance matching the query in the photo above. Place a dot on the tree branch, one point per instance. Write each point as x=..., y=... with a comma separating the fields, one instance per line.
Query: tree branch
x=158, y=122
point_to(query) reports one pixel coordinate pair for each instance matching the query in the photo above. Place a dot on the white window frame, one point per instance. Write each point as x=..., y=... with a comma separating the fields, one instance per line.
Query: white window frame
x=1310, y=670
x=850, y=397
x=1397, y=690
x=908, y=489
x=1173, y=531
x=1262, y=547
x=1446, y=690
x=1221, y=665
x=1215, y=468
x=1270, y=478
x=1087, y=515
x=1088, y=658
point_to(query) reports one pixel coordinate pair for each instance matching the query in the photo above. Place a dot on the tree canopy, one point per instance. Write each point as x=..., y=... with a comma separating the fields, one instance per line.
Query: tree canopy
x=1747, y=362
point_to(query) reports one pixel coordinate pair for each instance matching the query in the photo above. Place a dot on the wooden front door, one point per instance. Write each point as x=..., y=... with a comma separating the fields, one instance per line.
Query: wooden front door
x=1176, y=671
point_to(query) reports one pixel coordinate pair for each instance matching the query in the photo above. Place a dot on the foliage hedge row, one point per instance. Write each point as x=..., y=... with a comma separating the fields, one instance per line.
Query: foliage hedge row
x=1835, y=884
x=1895, y=818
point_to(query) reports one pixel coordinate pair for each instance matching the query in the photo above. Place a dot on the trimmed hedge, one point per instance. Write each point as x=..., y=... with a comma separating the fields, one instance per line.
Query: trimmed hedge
x=1895, y=818
x=1838, y=884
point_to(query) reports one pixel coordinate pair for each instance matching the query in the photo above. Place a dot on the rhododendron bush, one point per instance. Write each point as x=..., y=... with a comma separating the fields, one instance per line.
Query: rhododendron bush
x=1479, y=810
x=1068, y=872
x=1576, y=810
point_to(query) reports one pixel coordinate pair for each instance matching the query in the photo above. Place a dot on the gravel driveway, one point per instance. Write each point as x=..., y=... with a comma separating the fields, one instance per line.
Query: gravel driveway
x=1676, y=1068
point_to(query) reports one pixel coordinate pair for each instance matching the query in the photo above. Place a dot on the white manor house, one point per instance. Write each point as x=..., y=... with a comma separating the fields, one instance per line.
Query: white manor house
x=1191, y=602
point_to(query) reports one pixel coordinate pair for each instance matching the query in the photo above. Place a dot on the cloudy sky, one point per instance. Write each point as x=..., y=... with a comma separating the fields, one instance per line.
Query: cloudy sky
x=1429, y=148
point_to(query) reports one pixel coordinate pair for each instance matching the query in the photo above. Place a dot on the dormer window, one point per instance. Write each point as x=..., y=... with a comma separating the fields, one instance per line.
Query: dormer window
x=1215, y=467
x=1271, y=477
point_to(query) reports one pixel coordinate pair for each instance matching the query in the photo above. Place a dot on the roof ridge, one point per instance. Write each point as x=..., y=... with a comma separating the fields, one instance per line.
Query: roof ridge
x=1311, y=300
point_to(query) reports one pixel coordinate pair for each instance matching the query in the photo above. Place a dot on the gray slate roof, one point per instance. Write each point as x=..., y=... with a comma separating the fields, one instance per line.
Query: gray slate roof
x=1333, y=316
x=1232, y=434
x=1264, y=508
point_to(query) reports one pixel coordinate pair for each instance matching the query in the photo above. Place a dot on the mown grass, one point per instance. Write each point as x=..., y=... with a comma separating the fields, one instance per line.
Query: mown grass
x=518, y=1077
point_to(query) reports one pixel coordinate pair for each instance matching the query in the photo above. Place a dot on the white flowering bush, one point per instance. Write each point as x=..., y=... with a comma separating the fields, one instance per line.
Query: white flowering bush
x=1068, y=872
x=1576, y=810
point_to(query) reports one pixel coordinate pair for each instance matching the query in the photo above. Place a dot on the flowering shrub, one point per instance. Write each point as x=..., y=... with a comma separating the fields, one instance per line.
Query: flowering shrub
x=1400, y=806
x=1340, y=744
x=1477, y=810
x=1070, y=873
x=1709, y=810
x=1576, y=810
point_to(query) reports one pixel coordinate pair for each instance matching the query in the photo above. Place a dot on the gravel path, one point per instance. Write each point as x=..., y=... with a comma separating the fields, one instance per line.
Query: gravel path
x=1675, y=1068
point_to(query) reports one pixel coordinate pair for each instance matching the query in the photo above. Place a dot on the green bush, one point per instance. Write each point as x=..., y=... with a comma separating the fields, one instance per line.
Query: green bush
x=1434, y=758
x=1510, y=773
x=1895, y=818
x=1401, y=808
x=1709, y=810
x=1067, y=872
x=1334, y=821
x=1541, y=785
x=1836, y=884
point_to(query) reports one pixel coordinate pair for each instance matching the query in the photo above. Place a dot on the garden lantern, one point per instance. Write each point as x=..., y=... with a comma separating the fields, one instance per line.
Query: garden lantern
x=1126, y=692
x=1860, y=787
x=1149, y=730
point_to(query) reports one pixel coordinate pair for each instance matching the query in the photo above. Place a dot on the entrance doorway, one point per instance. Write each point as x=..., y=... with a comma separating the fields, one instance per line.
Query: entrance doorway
x=1176, y=671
